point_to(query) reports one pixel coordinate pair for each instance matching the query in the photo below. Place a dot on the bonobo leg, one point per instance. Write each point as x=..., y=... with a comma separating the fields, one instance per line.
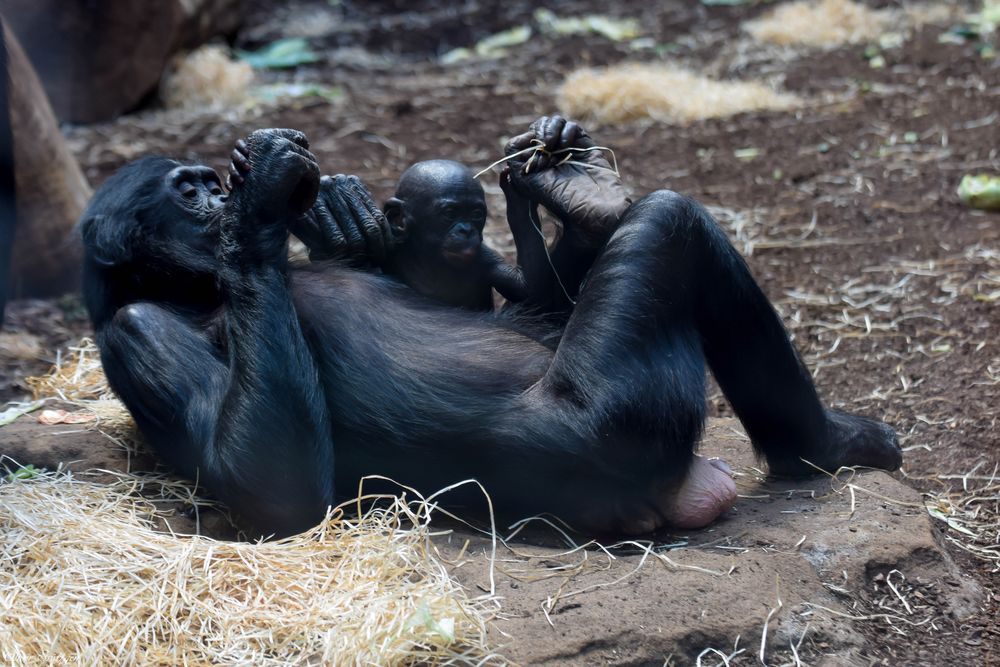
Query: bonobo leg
x=171, y=379
x=176, y=384
x=668, y=292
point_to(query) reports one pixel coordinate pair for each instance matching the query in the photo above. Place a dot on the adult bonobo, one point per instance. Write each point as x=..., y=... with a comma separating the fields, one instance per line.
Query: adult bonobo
x=278, y=388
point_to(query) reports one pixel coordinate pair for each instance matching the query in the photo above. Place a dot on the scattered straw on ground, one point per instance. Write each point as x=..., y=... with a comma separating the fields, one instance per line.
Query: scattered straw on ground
x=86, y=580
x=206, y=78
x=970, y=507
x=826, y=23
x=632, y=92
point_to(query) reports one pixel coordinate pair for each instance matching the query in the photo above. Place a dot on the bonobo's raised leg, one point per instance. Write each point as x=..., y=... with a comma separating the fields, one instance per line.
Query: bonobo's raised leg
x=272, y=444
x=668, y=292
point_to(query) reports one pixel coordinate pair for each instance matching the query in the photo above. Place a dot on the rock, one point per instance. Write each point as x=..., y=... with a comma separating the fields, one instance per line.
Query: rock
x=827, y=556
x=51, y=191
x=794, y=540
x=99, y=60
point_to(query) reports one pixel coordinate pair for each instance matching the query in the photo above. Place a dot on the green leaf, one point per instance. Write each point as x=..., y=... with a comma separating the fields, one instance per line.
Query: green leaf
x=10, y=414
x=280, y=54
x=24, y=472
x=746, y=153
x=980, y=191
x=296, y=91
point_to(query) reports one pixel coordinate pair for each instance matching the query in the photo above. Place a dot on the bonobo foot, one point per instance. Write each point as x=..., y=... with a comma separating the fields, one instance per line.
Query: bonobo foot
x=851, y=440
x=275, y=170
x=570, y=177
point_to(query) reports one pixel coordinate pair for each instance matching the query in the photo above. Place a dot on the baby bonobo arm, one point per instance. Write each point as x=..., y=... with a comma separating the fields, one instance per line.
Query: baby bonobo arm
x=531, y=280
x=504, y=278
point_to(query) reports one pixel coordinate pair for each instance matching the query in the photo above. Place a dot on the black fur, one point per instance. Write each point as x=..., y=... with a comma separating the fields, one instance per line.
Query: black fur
x=279, y=389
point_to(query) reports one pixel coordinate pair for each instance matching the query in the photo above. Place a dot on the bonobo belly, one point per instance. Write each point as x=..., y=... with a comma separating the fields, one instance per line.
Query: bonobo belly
x=414, y=389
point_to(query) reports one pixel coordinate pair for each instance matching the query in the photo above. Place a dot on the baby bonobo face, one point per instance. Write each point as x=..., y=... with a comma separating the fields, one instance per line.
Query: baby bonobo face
x=461, y=215
x=446, y=210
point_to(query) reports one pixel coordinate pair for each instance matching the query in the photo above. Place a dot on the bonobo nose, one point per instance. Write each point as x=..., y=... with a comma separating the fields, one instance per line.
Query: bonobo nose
x=465, y=230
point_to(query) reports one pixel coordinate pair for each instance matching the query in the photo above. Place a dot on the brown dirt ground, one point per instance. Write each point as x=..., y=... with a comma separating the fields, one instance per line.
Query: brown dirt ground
x=890, y=294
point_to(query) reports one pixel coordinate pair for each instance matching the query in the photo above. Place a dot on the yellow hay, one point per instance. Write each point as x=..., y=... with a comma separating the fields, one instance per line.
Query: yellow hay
x=633, y=92
x=86, y=580
x=826, y=23
x=76, y=376
x=206, y=78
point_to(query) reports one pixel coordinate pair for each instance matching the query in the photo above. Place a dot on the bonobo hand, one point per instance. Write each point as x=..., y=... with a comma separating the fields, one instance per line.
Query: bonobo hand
x=274, y=179
x=521, y=211
x=344, y=223
x=578, y=186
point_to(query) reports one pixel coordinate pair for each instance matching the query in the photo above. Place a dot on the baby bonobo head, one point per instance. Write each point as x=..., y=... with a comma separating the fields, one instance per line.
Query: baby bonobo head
x=439, y=211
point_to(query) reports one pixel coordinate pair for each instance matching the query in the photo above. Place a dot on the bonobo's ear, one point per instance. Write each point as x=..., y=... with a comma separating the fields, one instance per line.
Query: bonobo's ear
x=106, y=240
x=395, y=214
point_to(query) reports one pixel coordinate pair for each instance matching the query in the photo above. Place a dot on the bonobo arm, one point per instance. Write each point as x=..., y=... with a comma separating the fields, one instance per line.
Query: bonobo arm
x=504, y=278
x=345, y=223
x=574, y=181
x=272, y=453
x=531, y=281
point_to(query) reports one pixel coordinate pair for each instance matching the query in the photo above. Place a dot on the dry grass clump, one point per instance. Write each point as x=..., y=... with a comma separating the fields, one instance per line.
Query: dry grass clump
x=633, y=92
x=75, y=377
x=85, y=579
x=206, y=78
x=822, y=23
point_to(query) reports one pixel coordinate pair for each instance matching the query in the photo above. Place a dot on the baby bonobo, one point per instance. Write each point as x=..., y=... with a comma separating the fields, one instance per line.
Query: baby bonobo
x=437, y=218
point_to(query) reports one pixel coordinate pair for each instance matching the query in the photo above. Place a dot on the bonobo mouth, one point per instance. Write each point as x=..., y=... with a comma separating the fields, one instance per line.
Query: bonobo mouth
x=462, y=256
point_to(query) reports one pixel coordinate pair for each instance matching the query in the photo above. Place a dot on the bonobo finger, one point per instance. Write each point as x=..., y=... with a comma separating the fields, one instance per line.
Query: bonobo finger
x=505, y=179
x=518, y=143
x=570, y=134
x=345, y=217
x=333, y=237
x=234, y=179
x=240, y=157
x=551, y=132
x=537, y=127
x=374, y=226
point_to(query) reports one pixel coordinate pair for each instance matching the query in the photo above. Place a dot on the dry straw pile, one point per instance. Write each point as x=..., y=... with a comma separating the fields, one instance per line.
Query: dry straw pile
x=206, y=78
x=826, y=23
x=86, y=579
x=633, y=92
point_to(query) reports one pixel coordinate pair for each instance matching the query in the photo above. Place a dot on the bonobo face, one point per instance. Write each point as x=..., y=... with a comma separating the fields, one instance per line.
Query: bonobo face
x=198, y=198
x=155, y=212
x=443, y=211
x=461, y=215
x=198, y=189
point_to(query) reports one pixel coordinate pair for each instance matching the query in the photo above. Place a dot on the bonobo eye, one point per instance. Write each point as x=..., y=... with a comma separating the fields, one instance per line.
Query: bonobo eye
x=215, y=189
x=187, y=189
